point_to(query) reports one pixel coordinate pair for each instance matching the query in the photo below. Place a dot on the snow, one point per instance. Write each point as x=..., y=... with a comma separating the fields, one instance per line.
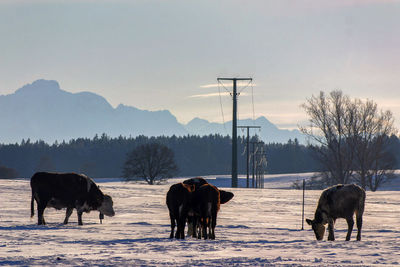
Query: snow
x=258, y=227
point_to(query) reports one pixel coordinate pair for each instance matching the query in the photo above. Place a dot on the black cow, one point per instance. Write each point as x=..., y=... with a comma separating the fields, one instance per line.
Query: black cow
x=194, y=218
x=68, y=190
x=340, y=201
x=206, y=204
x=179, y=201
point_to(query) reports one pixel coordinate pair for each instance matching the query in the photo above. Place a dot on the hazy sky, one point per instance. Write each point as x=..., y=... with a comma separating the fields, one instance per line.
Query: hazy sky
x=161, y=54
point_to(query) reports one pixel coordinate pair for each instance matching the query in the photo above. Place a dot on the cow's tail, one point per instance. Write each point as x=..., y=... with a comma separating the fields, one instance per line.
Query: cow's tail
x=32, y=207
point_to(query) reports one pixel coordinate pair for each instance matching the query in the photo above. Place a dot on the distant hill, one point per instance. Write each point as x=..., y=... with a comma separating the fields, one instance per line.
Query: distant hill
x=43, y=111
x=269, y=133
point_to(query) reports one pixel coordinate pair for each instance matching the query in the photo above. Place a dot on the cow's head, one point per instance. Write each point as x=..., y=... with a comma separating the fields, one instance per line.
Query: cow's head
x=106, y=206
x=318, y=227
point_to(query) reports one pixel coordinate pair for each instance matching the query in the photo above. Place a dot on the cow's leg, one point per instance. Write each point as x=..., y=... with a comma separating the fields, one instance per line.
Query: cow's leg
x=177, y=230
x=213, y=224
x=331, y=236
x=190, y=225
x=40, y=208
x=194, y=226
x=209, y=229
x=199, y=225
x=172, y=225
x=205, y=222
x=359, y=226
x=350, y=224
x=181, y=227
x=68, y=214
x=79, y=217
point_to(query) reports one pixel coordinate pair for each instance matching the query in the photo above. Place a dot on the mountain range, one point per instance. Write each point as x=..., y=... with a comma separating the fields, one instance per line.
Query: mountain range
x=43, y=111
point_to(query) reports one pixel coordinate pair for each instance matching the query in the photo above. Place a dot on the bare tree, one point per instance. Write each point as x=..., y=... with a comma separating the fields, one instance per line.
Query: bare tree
x=382, y=170
x=151, y=162
x=371, y=129
x=329, y=130
x=350, y=137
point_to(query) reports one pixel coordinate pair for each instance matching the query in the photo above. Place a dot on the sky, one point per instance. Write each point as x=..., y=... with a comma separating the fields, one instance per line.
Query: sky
x=168, y=54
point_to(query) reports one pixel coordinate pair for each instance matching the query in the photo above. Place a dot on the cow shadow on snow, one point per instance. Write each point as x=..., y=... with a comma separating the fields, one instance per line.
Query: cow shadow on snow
x=48, y=226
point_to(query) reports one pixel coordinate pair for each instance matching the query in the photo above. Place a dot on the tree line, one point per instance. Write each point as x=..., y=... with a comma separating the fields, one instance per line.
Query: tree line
x=103, y=156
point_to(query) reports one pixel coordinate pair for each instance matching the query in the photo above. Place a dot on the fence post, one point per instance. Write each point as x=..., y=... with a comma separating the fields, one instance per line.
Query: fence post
x=302, y=214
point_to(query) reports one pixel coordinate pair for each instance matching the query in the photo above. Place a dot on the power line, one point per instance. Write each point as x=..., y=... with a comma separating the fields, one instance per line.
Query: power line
x=234, y=126
x=222, y=109
x=252, y=102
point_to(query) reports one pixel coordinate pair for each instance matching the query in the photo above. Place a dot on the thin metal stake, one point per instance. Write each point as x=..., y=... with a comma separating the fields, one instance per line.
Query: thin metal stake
x=302, y=214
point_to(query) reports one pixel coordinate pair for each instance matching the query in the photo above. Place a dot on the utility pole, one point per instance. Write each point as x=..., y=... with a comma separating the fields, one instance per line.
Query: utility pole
x=255, y=152
x=234, y=127
x=247, y=149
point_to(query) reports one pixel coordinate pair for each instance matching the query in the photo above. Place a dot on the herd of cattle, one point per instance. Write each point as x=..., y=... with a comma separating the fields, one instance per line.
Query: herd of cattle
x=194, y=201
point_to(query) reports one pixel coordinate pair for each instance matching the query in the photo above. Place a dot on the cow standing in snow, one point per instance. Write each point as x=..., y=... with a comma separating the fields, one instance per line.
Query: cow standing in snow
x=200, y=201
x=206, y=204
x=68, y=190
x=179, y=201
x=340, y=201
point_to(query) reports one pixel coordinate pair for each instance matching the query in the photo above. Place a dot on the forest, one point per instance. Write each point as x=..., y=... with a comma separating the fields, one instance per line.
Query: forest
x=103, y=156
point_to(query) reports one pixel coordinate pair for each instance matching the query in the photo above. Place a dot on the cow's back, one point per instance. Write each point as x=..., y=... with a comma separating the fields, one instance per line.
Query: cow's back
x=66, y=187
x=342, y=200
x=177, y=195
x=196, y=181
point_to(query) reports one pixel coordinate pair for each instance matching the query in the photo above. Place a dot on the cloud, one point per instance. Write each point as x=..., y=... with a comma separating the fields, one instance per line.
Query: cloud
x=214, y=95
x=215, y=85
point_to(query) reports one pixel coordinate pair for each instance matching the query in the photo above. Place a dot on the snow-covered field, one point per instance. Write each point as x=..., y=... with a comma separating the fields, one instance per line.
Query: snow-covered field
x=257, y=227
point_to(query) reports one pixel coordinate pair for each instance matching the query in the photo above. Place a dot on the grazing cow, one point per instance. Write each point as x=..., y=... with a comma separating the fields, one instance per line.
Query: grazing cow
x=68, y=190
x=179, y=201
x=340, y=201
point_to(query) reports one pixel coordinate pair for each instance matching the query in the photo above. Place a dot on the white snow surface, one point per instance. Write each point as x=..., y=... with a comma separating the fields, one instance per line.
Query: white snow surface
x=258, y=227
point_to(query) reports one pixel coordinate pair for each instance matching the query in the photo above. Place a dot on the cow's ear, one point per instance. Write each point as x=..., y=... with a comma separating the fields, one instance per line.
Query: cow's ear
x=309, y=221
x=225, y=196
